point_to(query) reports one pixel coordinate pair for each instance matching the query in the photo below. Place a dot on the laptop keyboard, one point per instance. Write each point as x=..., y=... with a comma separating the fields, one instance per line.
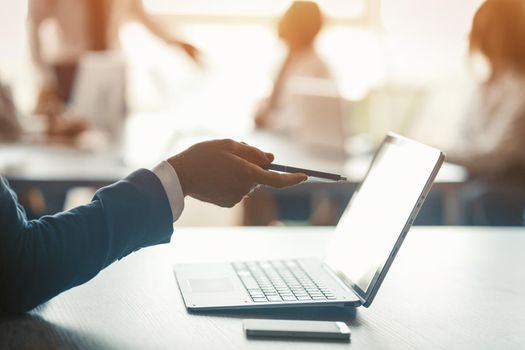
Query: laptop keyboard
x=280, y=281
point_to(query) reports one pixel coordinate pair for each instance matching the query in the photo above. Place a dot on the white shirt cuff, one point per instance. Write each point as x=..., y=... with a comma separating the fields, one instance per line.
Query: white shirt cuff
x=170, y=181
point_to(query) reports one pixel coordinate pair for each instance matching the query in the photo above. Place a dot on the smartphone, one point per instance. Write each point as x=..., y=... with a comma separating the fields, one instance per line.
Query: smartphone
x=297, y=329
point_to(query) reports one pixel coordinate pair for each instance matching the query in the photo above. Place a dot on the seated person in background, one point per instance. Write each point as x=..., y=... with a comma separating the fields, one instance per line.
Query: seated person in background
x=39, y=259
x=298, y=28
x=493, y=142
x=311, y=115
x=82, y=26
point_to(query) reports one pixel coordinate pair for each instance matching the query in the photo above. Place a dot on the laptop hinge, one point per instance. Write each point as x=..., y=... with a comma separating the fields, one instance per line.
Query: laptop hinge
x=342, y=282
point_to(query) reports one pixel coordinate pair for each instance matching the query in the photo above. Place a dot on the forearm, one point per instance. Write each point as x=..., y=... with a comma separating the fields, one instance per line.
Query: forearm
x=40, y=259
x=56, y=253
x=155, y=28
x=138, y=12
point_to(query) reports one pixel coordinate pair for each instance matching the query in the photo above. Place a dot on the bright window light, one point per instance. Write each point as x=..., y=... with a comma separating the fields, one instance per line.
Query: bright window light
x=251, y=8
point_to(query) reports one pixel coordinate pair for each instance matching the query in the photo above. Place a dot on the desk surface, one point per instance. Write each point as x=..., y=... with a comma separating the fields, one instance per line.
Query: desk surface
x=450, y=288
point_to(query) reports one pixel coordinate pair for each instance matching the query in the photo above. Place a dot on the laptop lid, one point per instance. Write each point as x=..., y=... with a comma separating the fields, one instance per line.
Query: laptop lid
x=381, y=212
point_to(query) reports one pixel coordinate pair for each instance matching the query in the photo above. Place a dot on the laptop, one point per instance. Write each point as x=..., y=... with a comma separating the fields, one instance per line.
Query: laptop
x=362, y=249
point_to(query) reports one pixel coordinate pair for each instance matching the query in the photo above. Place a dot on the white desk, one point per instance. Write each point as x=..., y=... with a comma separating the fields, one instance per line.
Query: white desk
x=449, y=288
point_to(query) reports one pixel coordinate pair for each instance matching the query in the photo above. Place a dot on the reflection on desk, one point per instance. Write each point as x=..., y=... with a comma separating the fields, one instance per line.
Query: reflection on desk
x=449, y=288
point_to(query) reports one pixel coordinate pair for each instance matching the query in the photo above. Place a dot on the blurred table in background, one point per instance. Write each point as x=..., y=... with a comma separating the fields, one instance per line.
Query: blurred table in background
x=444, y=196
x=46, y=163
x=55, y=169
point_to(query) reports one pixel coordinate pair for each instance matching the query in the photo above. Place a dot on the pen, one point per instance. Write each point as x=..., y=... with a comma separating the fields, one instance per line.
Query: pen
x=313, y=173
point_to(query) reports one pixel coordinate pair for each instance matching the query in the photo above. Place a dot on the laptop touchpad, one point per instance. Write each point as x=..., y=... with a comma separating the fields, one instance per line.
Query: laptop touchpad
x=210, y=285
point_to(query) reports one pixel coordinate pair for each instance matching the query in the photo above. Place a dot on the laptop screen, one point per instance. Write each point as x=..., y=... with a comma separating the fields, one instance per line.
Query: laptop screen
x=379, y=212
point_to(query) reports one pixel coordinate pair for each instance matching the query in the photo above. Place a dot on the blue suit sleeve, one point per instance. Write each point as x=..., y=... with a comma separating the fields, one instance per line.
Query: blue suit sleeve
x=39, y=259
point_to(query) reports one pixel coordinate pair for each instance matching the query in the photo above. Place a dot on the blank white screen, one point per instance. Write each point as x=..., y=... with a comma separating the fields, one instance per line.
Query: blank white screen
x=378, y=212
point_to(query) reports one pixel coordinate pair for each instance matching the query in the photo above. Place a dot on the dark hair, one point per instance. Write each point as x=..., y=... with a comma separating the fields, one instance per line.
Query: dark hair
x=498, y=32
x=301, y=23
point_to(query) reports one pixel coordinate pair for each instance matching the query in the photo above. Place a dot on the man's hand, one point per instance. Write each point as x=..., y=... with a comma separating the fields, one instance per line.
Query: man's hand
x=222, y=172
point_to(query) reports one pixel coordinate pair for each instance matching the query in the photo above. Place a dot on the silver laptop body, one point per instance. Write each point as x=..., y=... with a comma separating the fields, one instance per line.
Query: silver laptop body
x=366, y=241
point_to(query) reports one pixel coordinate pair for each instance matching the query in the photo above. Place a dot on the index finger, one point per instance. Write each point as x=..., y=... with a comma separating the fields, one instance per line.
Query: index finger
x=252, y=154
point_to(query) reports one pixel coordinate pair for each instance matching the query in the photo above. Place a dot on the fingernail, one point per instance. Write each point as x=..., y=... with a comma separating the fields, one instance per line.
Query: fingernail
x=269, y=156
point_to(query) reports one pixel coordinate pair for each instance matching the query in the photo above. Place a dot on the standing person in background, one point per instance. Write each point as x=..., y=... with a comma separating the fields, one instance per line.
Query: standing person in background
x=82, y=26
x=492, y=147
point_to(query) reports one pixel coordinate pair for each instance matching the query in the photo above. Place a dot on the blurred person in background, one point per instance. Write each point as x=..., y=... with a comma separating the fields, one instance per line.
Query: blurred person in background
x=492, y=145
x=298, y=29
x=306, y=106
x=82, y=26
x=10, y=129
